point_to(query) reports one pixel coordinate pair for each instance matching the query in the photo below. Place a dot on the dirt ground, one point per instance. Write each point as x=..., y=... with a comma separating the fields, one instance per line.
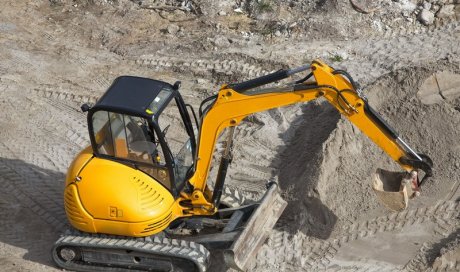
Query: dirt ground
x=57, y=54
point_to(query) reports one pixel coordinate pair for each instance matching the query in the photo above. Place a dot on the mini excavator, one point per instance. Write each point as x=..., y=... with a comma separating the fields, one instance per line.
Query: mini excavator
x=139, y=197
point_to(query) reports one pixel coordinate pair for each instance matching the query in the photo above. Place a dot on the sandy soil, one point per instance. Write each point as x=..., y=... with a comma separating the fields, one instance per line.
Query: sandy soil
x=58, y=54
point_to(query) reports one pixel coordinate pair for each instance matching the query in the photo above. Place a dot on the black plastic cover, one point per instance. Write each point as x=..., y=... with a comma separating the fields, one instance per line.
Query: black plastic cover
x=134, y=95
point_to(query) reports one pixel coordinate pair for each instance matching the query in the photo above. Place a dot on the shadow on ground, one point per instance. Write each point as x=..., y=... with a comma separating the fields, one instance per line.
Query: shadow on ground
x=299, y=164
x=31, y=209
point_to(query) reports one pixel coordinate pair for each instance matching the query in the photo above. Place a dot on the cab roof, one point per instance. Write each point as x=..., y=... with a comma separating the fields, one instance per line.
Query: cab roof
x=135, y=96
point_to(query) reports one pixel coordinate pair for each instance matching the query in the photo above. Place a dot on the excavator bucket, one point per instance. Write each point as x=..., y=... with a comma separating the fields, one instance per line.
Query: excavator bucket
x=256, y=230
x=394, y=189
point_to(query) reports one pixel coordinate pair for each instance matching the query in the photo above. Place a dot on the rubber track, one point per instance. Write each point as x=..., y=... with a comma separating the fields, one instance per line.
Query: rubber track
x=169, y=247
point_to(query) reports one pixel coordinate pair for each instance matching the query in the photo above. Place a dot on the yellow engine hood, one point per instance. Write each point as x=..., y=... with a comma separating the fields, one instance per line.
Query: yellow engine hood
x=109, y=190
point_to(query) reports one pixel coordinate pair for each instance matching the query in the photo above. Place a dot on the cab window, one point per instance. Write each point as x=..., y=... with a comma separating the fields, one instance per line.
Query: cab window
x=178, y=141
x=129, y=138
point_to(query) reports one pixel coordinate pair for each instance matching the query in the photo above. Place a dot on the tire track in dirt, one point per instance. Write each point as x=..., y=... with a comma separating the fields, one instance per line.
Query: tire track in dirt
x=431, y=251
x=454, y=192
x=380, y=56
x=314, y=254
x=17, y=181
x=34, y=155
x=40, y=136
x=70, y=124
x=26, y=161
x=33, y=182
x=65, y=96
x=223, y=68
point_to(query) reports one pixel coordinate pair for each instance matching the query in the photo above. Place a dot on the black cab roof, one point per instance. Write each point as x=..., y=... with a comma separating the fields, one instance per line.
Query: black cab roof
x=136, y=96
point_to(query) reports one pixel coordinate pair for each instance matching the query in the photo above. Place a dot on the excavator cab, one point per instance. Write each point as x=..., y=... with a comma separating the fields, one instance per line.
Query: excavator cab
x=133, y=130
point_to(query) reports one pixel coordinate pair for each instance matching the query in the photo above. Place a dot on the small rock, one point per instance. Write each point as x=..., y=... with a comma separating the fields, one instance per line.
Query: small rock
x=222, y=13
x=173, y=29
x=435, y=8
x=221, y=41
x=234, y=25
x=277, y=33
x=201, y=81
x=426, y=17
x=342, y=54
x=238, y=10
x=446, y=11
x=428, y=93
x=426, y=5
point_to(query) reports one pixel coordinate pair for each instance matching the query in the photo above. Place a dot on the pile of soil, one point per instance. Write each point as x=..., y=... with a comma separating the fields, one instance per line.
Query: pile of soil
x=327, y=164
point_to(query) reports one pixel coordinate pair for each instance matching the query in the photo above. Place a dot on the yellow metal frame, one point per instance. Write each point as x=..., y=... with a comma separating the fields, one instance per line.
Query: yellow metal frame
x=231, y=107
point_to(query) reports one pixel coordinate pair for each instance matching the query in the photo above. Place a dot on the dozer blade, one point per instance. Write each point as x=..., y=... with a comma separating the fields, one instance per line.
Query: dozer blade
x=256, y=229
x=393, y=189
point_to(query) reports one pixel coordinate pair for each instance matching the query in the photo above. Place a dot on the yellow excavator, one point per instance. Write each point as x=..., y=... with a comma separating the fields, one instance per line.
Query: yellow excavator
x=139, y=198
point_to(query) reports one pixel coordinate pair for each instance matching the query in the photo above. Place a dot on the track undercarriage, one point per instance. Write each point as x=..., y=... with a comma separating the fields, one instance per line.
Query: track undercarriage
x=184, y=246
x=86, y=252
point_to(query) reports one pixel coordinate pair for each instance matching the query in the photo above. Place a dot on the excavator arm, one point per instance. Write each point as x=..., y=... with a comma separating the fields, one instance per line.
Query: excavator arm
x=234, y=102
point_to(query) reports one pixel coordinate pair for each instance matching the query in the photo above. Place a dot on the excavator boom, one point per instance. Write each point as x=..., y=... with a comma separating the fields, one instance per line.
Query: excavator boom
x=234, y=102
